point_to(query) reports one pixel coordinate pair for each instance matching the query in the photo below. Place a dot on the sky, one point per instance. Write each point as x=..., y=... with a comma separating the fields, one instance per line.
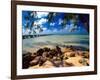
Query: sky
x=53, y=27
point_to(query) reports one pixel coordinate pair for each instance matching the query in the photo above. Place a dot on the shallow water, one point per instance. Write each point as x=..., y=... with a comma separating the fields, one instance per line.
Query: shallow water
x=74, y=40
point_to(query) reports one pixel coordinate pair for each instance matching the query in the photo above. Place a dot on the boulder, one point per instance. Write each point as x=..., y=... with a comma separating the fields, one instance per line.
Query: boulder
x=35, y=61
x=46, y=49
x=68, y=64
x=26, y=58
x=56, y=63
x=58, y=49
x=42, y=60
x=45, y=54
x=72, y=54
x=40, y=52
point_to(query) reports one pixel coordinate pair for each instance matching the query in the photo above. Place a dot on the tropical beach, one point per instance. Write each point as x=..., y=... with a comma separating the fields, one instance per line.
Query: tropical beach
x=54, y=39
x=55, y=52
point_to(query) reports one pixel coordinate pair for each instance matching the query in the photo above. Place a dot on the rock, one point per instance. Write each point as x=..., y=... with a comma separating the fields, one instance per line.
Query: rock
x=38, y=58
x=33, y=55
x=46, y=49
x=80, y=61
x=27, y=54
x=35, y=61
x=56, y=63
x=53, y=52
x=69, y=64
x=48, y=64
x=80, y=53
x=50, y=56
x=86, y=55
x=25, y=64
x=72, y=48
x=65, y=57
x=40, y=52
x=84, y=62
x=61, y=57
x=72, y=54
x=42, y=60
x=45, y=54
x=26, y=58
x=87, y=64
x=54, y=58
x=58, y=59
x=58, y=49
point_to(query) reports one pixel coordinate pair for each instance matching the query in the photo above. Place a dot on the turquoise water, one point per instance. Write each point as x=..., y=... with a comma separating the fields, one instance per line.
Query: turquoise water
x=74, y=40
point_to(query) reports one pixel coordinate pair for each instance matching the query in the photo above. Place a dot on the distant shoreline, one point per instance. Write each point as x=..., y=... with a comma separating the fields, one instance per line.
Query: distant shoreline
x=38, y=35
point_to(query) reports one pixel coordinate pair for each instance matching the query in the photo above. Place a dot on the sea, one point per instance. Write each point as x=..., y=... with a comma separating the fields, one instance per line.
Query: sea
x=61, y=40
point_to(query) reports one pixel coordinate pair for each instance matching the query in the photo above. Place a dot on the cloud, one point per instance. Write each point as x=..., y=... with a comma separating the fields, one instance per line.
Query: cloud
x=60, y=21
x=52, y=24
x=41, y=21
x=44, y=29
x=42, y=14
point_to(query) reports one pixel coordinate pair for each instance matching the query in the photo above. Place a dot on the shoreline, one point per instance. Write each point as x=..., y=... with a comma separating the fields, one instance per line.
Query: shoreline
x=75, y=47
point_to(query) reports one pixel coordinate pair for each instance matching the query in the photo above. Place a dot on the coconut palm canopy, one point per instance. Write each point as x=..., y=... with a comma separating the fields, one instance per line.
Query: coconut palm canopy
x=34, y=22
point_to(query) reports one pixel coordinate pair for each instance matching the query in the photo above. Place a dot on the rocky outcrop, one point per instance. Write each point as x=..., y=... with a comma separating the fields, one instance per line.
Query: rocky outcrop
x=57, y=57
